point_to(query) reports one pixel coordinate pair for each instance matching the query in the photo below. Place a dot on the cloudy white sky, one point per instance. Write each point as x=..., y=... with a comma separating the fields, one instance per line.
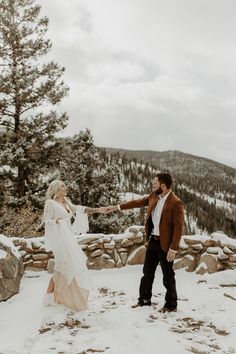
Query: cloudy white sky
x=149, y=74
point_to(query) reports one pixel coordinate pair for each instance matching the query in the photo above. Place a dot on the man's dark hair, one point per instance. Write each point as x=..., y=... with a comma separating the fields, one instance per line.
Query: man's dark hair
x=165, y=178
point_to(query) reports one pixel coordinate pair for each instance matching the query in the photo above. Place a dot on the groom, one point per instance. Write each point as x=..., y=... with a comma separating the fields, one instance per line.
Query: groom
x=164, y=223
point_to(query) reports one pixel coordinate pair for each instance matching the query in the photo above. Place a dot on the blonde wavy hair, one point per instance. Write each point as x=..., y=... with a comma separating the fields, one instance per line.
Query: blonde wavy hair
x=53, y=190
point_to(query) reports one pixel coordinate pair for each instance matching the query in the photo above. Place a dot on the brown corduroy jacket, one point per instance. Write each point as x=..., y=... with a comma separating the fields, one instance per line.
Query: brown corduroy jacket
x=172, y=218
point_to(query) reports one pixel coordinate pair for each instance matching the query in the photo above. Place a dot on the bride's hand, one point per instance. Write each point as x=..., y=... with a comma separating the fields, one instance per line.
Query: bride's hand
x=102, y=210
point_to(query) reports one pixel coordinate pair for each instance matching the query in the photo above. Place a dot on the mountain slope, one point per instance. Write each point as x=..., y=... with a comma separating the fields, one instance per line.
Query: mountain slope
x=207, y=188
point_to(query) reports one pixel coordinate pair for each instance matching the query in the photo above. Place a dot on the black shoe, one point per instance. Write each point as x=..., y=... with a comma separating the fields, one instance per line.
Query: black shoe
x=142, y=303
x=168, y=309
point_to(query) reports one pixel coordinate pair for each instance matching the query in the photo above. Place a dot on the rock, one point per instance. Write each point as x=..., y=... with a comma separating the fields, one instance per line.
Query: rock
x=96, y=253
x=202, y=268
x=22, y=243
x=137, y=256
x=109, y=251
x=121, y=249
x=26, y=257
x=40, y=264
x=28, y=263
x=106, y=239
x=119, y=264
x=36, y=245
x=11, y=268
x=22, y=253
x=40, y=256
x=183, y=245
x=94, y=246
x=181, y=252
x=198, y=246
x=192, y=250
x=227, y=250
x=209, y=243
x=191, y=241
x=214, y=250
x=106, y=256
x=87, y=240
x=132, y=230
x=232, y=265
x=126, y=243
x=212, y=262
x=115, y=256
x=101, y=262
x=187, y=262
x=232, y=258
x=50, y=266
x=110, y=245
x=224, y=240
x=222, y=256
x=123, y=257
x=138, y=238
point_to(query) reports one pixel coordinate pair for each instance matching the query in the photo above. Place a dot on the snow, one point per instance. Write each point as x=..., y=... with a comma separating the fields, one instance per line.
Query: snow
x=196, y=237
x=2, y=254
x=205, y=320
x=8, y=243
x=224, y=239
x=225, y=278
x=218, y=202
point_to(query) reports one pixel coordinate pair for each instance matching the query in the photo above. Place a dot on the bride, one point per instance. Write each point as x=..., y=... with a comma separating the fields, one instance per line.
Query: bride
x=71, y=281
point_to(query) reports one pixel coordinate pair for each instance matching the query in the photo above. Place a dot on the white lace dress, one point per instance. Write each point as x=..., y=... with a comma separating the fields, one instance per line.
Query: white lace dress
x=72, y=280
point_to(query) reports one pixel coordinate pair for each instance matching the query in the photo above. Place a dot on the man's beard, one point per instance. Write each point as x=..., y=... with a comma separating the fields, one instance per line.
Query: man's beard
x=159, y=191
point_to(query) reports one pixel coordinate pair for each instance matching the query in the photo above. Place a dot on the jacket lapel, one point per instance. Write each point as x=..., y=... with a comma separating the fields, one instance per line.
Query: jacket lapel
x=153, y=203
x=168, y=200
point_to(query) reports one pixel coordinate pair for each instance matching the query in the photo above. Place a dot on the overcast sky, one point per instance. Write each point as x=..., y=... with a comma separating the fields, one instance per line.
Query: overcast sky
x=149, y=74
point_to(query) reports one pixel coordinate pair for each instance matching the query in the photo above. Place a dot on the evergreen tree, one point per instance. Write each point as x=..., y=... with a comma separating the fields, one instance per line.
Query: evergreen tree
x=29, y=88
x=90, y=185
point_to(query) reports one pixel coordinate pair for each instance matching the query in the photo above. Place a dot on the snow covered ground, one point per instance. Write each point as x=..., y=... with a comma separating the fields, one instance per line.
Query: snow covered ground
x=205, y=321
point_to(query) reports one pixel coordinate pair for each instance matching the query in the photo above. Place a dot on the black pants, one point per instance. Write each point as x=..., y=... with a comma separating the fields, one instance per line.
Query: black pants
x=154, y=256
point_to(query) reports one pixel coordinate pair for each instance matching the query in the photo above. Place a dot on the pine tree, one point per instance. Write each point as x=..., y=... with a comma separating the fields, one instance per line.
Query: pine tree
x=30, y=89
x=90, y=184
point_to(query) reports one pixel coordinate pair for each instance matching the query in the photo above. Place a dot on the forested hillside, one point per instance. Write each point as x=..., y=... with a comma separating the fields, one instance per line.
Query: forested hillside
x=207, y=187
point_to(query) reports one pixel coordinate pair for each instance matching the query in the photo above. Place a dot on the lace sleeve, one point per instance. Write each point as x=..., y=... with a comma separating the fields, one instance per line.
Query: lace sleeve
x=80, y=224
x=48, y=214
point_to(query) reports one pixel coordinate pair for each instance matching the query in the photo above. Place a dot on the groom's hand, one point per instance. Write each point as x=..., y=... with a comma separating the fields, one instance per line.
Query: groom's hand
x=171, y=255
x=112, y=208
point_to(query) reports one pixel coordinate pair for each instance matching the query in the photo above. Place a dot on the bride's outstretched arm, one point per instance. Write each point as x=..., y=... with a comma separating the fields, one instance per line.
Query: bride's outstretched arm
x=102, y=210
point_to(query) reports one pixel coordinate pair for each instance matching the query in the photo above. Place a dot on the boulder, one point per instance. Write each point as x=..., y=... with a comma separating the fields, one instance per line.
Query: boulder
x=227, y=250
x=198, y=247
x=36, y=245
x=202, y=268
x=210, y=243
x=11, y=268
x=96, y=253
x=101, y=262
x=212, y=262
x=137, y=256
x=232, y=258
x=109, y=246
x=123, y=257
x=188, y=262
x=40, y=257
x=126, y=243
x=94, y=246
x=214, y=250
